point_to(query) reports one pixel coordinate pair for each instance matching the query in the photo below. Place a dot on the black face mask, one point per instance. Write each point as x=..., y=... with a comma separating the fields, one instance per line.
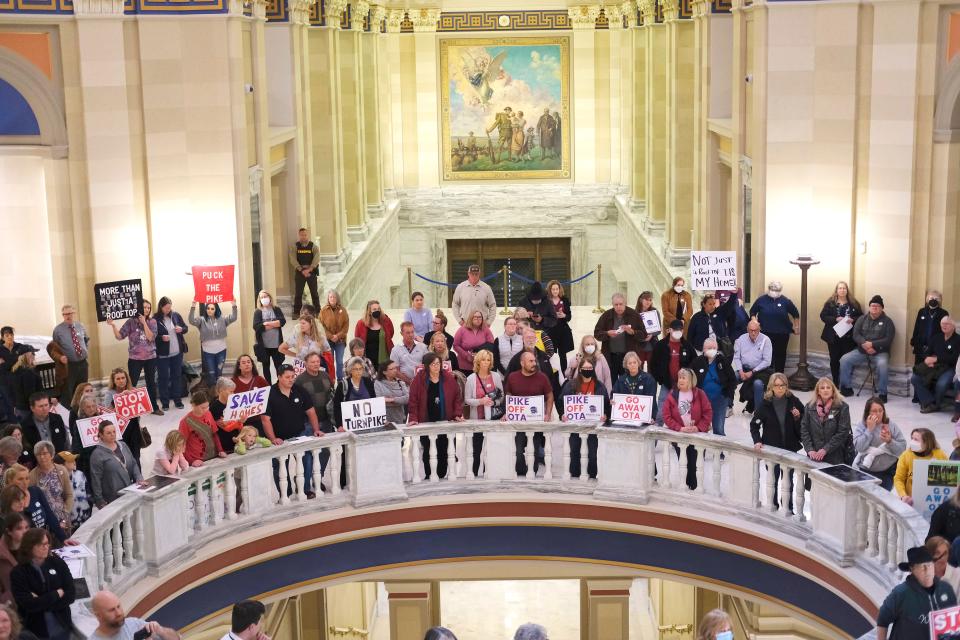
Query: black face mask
x=587, y=373
x=375, y=314
x=933, y=304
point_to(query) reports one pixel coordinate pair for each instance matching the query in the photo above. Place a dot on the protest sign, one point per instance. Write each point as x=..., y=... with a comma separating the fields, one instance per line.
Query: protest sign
x=581, y=408
x=651, y=322
x=363, y=415
x=934, y=481
x=87, y=427
x=246, y=404
x=444, y=364
x=213, y=284
x=118, y=300
x=525, y=408
x=711, y=270
x=945, y=624
x=133, y=403
x=299, y=366
x=631, y=409
x=120, y=421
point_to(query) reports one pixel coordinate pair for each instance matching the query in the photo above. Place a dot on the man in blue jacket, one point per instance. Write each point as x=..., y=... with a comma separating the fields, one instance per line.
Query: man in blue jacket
x=908, y=606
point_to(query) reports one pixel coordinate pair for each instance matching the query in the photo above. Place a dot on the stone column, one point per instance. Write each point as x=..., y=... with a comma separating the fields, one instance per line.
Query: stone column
x=351, y=117
x=616, y=37
x=370, y=78
x=641, y=106
x=113, y=152
x=657, y=123
x=608, y=609
x=583, y=63
x=701, y=112
x=680, y=85
x=305, y=204
x=328, y=137
x=628, y=10
x=385, y=98
x=410, y=609
x=395, y=88
x=427, y=115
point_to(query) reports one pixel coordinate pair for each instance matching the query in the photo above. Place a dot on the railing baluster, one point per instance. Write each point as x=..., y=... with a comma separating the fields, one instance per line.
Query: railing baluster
x=198, y=505
x=800, y=495
x=755, y=485
x=138, y=534
x=468, y=461
x=414, y=454
x=566, y=458
x=452, y=457
x=297, y=463
x=584, y=459
x=216, y=500
x=893, y=537
x=127, y=533
x=284, y=476
x=105, y=558
x=682, y=460
x=117, y=544
x=717, y=460
x=434, y=458
x=772, y=486
x=316, y=478
x=548, y=457
x=701, y=463
x=786, y=490
x=871, y=529
x=528, y=454
x=882, y=535
x=862, y=523
x=336, y=460
x=230, y=488
x=245, y=491
x=666, y=462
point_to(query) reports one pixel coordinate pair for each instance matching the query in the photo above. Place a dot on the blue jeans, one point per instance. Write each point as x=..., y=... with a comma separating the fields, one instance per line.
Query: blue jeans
x=856, y=358
x=338, y=349
x=213, y=365
x=661, y=398
x=149, y=368
x=944, y=383
x=308, y=461
x=719, y=406
x=170, y=379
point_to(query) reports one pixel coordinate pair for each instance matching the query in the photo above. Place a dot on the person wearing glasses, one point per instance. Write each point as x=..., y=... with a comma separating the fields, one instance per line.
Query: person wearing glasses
x=72, y=339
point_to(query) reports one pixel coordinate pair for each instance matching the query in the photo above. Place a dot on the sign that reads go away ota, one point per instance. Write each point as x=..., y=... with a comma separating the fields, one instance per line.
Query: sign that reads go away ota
x=631, y=409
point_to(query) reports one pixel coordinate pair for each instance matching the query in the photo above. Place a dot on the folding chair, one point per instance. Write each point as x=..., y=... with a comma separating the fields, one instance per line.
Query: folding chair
x=871, y=376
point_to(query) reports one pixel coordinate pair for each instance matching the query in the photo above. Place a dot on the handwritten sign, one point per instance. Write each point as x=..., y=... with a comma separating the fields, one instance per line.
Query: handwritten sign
x=88, y=428
x=363, y=415
x=651, y=322
x=934, y=481
x=630, y=409
x=246, y=404
x=711, y=270
x=299, y=366
x=524, y=408
x=213, y=284
x=121, y=421
x=582, y=408
x=119, y=299
x=945, y=623
x=131, y=404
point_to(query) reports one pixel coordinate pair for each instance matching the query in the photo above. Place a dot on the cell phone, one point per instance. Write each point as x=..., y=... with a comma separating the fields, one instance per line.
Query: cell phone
x=143, y=634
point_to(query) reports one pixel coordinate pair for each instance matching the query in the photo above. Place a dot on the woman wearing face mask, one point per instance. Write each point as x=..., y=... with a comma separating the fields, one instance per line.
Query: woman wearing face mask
x=268, y=321
x=922, y=446
x=376, y=330
x=927, y=324
x=669, y=356
x=878, y=443
x=647, y=339
x=717, y=379
x=584, y=383
x=779, y=318
x=825, y=428
x=590, y=352
x=676, y=304
x=716, y=625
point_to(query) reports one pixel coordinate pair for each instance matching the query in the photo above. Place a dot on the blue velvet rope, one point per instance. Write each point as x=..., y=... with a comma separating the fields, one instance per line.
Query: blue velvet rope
x=563, y=282
x=453, y=286
x=493, y=275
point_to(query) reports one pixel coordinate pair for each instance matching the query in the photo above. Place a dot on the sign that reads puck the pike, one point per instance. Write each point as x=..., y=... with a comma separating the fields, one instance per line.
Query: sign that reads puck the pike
x=118, y=300
x=362, y=415
x=213, y=284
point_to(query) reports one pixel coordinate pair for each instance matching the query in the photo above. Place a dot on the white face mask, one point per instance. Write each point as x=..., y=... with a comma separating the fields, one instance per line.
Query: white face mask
x=773, y=294
x=678, y=289
x=589, y=349
x=915, y=446
x=725, y=635
x=676, y=335
x=264, y=301
x=710, y=353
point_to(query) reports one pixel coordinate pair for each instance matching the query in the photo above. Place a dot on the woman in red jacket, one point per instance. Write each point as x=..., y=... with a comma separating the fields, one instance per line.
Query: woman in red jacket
x=200, y=431
x=688, y=410
x=434, y=397
x=376, y=330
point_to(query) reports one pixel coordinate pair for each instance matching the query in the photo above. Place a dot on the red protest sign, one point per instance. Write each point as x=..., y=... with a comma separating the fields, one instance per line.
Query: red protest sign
x=213, y=284
x=945, y=623
x=120, y=421
x=133, y=403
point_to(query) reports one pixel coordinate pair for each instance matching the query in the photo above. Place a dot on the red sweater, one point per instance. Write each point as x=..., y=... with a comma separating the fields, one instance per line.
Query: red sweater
x=196, y=449
x=700, y=410
x=386, y=326
x=452, y=398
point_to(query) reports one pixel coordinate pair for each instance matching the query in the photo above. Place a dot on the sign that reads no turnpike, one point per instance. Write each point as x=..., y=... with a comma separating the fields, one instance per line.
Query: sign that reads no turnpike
x=712, y=270
x=118, y=300
x=363, y=415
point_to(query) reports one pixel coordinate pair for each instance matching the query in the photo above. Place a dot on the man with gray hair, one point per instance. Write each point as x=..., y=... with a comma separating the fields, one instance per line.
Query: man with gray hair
x=530, y=631
x=618, y=330
x=72, y=338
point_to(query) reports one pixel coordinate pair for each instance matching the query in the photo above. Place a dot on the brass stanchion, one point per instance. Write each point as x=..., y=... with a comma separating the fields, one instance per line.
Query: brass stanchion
x=599, y=309
x=506, y=308
x=409, y=284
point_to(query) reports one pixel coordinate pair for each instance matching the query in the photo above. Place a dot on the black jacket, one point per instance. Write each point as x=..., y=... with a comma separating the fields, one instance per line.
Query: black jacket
x=908, y=608
x=26, y=382
x=919, y=339
x=700, y=323
x=40, y=515
x=765, y=428
x=829, y=315
x=543, y=363
x=342, y=394
x=569, y=390
x=35, y=593
x=258, y=323
x=163, y=348
x=544, y=309
x=58, y=432
x=945, y=521
x=725, y=373
x=945, y=350
x=660, y=360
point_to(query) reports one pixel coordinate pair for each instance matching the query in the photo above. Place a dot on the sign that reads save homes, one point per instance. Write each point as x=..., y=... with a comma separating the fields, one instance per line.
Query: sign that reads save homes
x=934, y=481
x=363, y=415
x=213, y=284
x=118, y=300
x=89, y=428
x=582, y=408
x=711, y=270
x=524, y=409
x=246, y=404
x=626, y=408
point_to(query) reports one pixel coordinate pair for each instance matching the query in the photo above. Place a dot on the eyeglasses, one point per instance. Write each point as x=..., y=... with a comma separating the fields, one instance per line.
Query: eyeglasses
x=779, y=384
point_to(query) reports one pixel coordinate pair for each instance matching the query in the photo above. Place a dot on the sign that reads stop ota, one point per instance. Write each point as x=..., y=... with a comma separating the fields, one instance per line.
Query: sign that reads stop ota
x=363, y=415
x=524, y=408
x=130, y=404
x=632, y=410
x=945, y=624
x=88, y=428
x=213, y=284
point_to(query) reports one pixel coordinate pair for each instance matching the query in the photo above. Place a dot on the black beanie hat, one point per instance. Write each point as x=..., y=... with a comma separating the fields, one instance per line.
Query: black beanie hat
x=876, y=300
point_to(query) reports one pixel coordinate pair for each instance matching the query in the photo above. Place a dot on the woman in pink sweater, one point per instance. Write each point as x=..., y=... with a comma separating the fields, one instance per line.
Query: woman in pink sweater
x=469, y=338
x=687, y=409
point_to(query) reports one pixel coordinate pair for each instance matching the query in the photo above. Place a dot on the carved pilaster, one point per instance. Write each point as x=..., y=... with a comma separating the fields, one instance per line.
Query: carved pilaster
x=584, y=16
x=648, y=11
x=258, y=9
x=614, y=16
x=333, y=12
x=359, y=10
x=300, y=11
x=394, y=18
x=700, y=8
x=424, y=20
x=629, y=10
x=671, y=10
x=98, y=8
x=377, y=15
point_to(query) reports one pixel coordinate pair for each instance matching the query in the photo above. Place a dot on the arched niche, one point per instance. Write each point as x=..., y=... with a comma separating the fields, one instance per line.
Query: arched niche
x=40, y=94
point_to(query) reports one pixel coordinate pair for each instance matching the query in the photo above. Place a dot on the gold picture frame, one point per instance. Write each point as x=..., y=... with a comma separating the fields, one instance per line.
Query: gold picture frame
x=479, y=79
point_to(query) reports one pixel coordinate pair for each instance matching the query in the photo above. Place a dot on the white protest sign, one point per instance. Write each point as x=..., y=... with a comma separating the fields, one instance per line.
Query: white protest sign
x=299, y=366
x=581, y=408
x=247, y=404
x=362, y=415
x=132, y=404
x=934, y=481
x=524, y=408
x=631, y=409
x=651, y=322
x=88, y=428
x=711, y=270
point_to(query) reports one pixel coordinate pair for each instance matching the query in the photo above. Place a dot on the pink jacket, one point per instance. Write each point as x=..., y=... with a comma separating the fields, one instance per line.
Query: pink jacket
x=467, y=340
x=701, y=411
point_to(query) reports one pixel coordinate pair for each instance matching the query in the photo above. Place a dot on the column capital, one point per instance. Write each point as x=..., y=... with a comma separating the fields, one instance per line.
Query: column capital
x=584, y=16
x=648, y=11
x=700, y=8
x=333, y=12
x=300, y=11
x=377, y=14
x=614, y=16
x=424, y=20
x=629, y=10
x=671, y=10
x=98, y=8
x=359, y=10
x=394, y=19
x=258, y=8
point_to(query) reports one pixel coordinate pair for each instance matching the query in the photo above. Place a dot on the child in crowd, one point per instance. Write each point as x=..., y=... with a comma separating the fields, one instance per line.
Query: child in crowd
x=82, y=509
x=249, y=439
x=170, y=460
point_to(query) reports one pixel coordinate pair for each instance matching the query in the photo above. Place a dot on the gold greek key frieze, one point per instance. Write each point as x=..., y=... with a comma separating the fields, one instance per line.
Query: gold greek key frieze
x=452, y=21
